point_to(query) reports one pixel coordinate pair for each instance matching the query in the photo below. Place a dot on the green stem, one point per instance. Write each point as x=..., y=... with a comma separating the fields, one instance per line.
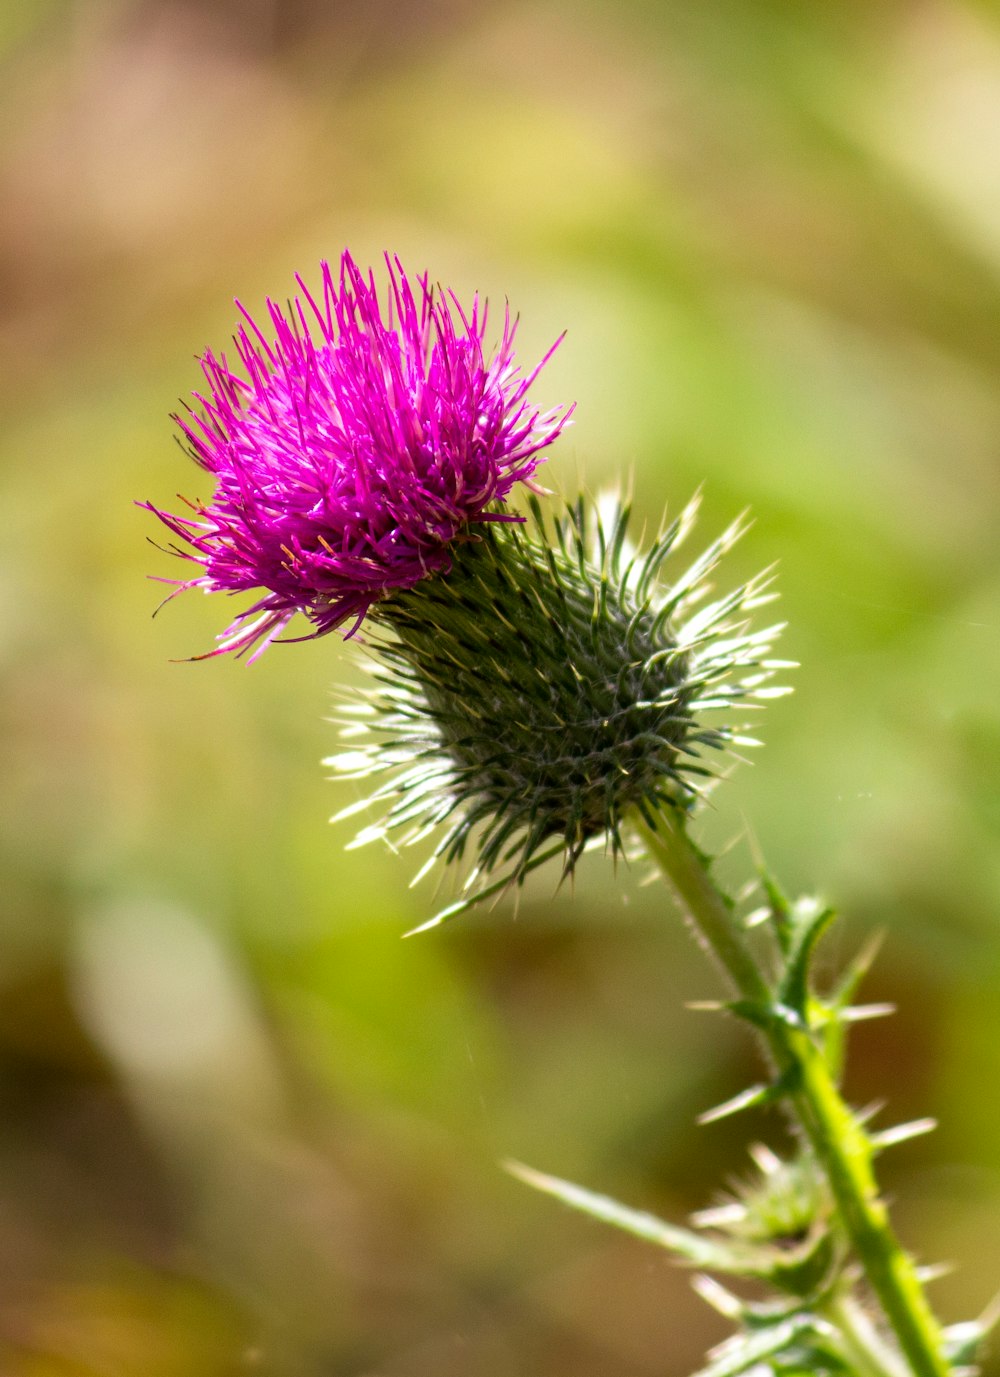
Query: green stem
x=834, y=1133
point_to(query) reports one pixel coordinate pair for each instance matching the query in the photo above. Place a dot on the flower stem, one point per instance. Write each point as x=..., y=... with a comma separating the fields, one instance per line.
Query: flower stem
x=833, y=1131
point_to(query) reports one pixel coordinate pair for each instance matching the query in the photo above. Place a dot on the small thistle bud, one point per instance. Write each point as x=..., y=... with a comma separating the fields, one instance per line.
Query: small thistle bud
x=781, y=1203
x=782, y=1217
x=551, y=684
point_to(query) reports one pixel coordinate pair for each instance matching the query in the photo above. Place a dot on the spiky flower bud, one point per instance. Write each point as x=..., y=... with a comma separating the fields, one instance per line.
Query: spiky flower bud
x=782, y=1203
x=551, y=684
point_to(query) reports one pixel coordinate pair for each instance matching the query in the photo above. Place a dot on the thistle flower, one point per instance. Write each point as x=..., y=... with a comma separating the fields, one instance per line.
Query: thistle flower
x=360, y=446
x=527, y=703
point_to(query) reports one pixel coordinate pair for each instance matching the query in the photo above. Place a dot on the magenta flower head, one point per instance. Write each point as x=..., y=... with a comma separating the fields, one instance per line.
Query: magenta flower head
x=355, y=447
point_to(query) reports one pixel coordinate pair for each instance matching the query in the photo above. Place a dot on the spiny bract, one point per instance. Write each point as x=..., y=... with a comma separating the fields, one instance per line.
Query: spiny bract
x=548, y=686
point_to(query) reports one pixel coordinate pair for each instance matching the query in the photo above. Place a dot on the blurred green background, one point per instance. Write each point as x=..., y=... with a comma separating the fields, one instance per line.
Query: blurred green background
x=244, y=1128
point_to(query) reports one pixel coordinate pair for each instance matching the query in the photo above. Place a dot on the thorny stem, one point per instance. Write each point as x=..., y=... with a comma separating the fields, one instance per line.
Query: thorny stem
x=833, y=1131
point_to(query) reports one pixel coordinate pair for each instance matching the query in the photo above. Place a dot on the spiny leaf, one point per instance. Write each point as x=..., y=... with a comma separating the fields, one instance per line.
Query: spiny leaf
x=745, y=1351
x=856, y=970
x=753, y=1097
x=750, y=1098
x=835, y=1034
x=780, y=907
x=809, y=922
x=797, y=1270
x=963, y=1342
x=693, y=1248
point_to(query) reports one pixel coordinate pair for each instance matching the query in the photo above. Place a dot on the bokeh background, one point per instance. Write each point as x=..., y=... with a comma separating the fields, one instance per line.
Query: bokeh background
x=244, y=1128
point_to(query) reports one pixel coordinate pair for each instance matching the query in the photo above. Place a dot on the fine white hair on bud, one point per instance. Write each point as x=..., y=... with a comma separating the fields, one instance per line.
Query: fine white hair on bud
x=552, y=683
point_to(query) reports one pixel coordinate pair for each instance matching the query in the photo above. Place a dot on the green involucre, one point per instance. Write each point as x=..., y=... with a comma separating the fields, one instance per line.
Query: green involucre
x=547, y=686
